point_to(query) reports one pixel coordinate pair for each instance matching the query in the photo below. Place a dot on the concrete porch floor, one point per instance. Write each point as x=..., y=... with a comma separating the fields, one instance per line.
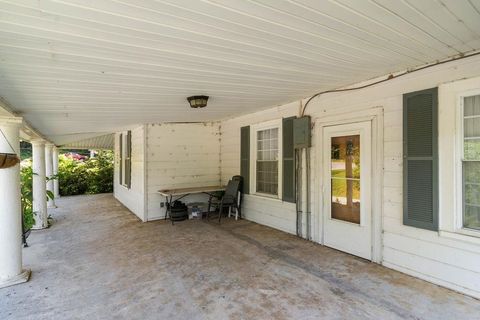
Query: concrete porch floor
x=99, y=262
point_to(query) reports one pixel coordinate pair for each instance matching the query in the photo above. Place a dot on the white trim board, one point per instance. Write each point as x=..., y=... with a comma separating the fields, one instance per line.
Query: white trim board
x=375, y=115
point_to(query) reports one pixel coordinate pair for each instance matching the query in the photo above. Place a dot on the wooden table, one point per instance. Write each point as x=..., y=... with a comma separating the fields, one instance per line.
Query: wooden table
x=179, y=193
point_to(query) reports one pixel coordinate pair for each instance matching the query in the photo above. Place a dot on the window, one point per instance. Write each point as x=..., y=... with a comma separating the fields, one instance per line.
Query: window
x=470, y=162
x=345, y=178
x=266, y=151
x=267, y=161
x=125, y=152
x=120, y=169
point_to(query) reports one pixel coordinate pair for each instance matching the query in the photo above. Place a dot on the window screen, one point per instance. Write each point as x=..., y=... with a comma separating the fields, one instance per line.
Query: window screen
x=267, y=161
x=471, y=162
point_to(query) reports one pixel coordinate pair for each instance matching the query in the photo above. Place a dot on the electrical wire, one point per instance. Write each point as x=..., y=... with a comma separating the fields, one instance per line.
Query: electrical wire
x=390, y=77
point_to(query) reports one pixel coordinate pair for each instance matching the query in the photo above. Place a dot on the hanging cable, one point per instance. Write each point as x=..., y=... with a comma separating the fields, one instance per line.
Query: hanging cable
x=390, y=77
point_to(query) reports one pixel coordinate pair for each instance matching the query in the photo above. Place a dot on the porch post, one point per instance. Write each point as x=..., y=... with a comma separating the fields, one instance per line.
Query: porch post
x=49, y=172
x=11, y=271
x=39, y=185
x=56, y=190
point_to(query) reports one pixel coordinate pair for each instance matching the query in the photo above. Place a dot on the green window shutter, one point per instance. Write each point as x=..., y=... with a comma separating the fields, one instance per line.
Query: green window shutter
x=245, y=158
x=128, y=161
x=420, y=159
x=120, y=158
x=288, y=160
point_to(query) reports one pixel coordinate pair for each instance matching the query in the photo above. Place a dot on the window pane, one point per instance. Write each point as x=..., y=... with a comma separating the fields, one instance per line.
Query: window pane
x=267, y=161
x=471, y=149
x=471, y=106
x=472, y=127
x=471, y=165
x=471, y=189
x=345, y=178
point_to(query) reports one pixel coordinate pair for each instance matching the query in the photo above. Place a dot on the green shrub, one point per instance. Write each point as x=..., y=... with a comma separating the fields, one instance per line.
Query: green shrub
x=100, y=173
x=72, y=178
x=91, y=176
x=94, y=175
x=26, y=177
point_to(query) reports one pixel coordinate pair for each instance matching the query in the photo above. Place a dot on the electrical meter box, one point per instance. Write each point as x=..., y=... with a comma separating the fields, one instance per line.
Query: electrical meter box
x=301, y=132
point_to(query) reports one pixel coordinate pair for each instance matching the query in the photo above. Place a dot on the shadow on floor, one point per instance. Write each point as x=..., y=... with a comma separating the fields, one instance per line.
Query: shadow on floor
x=99, y=262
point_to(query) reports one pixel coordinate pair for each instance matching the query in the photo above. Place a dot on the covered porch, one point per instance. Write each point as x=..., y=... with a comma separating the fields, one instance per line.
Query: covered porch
x=98, y=261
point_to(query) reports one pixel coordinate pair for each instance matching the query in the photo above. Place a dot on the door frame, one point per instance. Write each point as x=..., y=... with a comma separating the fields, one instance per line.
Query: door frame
x=375, y=115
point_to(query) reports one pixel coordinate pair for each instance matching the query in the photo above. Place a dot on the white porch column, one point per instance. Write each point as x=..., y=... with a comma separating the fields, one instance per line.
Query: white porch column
x=11, y=271
x=39, y=185
x=56, y=190
x=49, y=172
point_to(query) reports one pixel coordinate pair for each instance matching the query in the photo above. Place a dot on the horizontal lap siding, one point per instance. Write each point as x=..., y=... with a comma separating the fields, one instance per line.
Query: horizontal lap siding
x=425, y=254
x=421, y=253
x=273, y=213
x=181, y=156
x=269, y=212
x=133, y=198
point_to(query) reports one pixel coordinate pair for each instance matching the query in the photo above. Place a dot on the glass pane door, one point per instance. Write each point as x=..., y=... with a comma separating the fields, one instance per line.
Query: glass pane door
x=345, y=178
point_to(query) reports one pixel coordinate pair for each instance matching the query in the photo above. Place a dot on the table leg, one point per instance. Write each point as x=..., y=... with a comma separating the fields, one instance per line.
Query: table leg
x=209, y=205
x=169, y=206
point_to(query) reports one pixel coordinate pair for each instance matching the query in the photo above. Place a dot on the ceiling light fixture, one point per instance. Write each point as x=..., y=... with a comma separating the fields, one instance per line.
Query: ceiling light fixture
x=198, y=101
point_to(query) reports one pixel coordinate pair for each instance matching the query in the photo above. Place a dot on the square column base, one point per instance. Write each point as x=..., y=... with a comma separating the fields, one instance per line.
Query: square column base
x=39, y=228
x=21, y=278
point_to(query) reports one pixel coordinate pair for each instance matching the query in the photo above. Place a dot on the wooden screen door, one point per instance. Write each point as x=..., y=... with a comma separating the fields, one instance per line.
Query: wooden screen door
x=347, y=176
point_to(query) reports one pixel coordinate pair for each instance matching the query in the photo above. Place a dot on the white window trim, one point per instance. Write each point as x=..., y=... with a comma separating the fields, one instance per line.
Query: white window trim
x=458, y=202
x=272, y=124
x=123, y=157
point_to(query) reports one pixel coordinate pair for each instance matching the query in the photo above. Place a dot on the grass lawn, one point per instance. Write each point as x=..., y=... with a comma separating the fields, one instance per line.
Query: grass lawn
x=339, y=186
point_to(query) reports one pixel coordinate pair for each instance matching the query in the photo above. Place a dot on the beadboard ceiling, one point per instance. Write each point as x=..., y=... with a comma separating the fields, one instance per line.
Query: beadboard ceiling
x=96, y=66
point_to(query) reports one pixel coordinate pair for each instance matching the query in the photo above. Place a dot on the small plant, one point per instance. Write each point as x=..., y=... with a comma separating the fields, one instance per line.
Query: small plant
x=26, y=177
x=50, y=220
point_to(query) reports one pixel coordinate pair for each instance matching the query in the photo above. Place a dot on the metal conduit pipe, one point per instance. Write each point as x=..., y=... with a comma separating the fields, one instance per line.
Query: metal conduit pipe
x=304, y=193
x=307, y=204
x=296, y=191
x=298, y=187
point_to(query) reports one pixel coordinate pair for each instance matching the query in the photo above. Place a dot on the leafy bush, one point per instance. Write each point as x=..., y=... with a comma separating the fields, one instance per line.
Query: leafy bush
x=91, y=176
x=94, y=175
x=72, y=178
x=26, y=177
x=26, y=182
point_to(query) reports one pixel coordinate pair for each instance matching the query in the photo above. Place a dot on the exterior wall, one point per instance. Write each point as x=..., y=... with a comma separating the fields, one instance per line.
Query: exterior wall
x=270, y=212
x=180, y=156
x=133, y=198
x=439, y=257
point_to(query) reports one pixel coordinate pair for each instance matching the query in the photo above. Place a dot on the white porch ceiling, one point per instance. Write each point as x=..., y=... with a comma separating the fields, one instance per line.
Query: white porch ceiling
x=78, y=66
x=99, y=142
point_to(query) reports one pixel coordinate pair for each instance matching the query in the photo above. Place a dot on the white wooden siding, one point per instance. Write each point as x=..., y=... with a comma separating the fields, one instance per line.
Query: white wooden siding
x=448, y=261
x=180, y=155
x=132, y=198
